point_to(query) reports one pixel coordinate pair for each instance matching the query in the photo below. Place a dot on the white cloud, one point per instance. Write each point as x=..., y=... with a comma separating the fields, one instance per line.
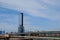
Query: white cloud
x=33, y=8
x=8, y=22
x=52, y=2
x=8, y=27
x=30, y=6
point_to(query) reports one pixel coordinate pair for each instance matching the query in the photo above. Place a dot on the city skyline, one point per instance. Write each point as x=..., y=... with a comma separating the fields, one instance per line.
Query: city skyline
x=39, y=15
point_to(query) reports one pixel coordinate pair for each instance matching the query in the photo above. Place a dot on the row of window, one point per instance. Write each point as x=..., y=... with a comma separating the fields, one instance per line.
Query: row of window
x=46, y=35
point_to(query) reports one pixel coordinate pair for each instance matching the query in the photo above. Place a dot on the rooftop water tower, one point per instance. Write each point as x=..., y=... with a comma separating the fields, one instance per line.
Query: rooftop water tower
x=21, y=27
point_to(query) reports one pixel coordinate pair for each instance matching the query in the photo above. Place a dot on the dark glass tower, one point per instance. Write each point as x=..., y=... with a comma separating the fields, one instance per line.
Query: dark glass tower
x=21, y=27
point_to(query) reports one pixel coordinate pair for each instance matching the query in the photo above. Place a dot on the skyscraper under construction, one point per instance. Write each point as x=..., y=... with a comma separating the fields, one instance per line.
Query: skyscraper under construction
x=21, y=27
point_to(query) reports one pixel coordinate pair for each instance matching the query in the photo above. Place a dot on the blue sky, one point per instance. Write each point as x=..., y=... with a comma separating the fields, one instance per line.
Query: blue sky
x=42, y=15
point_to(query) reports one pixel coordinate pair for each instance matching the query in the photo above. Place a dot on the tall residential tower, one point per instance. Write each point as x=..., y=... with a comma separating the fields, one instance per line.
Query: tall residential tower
x=21, y=27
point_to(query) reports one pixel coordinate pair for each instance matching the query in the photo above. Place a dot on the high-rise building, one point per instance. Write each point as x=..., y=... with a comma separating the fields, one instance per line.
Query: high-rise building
x=21, y=27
